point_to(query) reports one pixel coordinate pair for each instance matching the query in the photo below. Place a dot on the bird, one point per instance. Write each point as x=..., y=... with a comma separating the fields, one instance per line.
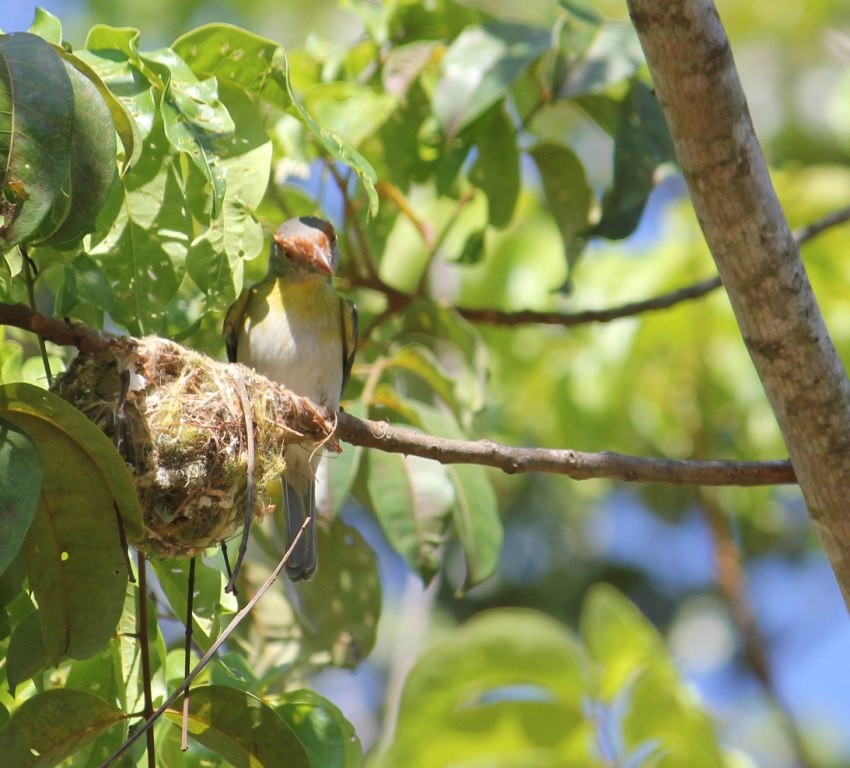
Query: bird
x=294, y=328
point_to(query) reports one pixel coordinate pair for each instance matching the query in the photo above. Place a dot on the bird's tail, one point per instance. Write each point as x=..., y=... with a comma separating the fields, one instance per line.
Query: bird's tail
x=297, y=507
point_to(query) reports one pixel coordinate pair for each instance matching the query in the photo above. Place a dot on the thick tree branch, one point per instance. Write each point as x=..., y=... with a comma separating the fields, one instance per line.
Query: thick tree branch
x=756, y=255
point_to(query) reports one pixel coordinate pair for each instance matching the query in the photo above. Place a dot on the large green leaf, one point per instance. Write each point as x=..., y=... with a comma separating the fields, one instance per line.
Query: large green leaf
x=340, y=606
x=27, y=654
x=20, y=484
x=505, y=689
x=475, y=511
x=143, y=253
x=240, y=728
x=328, y=738
x=635, y=669
x=216, y=256
x=480, y=66
x=614, y=56
x=242, y=59
x=125, y=125
x=110, y=53
x=349, y=109
x=193, y=117
x=52, y=725
x=443, y=330
x=46, y=26
x=619, y=639
x=339, y=149
x=496, y=168
x=77, y=569
x=412, y=498
x=642, y=144
x=93, y=169
x=567, y=192
x=664, y=721
x=36, y=135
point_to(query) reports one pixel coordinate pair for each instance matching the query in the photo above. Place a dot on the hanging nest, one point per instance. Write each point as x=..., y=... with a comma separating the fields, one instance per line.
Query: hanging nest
x=179, y=420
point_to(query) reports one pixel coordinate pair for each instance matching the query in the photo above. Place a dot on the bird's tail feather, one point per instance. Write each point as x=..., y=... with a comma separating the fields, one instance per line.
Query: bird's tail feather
x=297, y=507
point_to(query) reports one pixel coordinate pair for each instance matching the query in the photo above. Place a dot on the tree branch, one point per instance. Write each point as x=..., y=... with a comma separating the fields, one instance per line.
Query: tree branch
x=608, y=314
x=756, y=255
x=512, y=460
x=574, y=464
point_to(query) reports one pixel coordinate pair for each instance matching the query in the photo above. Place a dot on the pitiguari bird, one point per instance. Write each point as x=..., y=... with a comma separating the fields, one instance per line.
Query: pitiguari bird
x=295, y=329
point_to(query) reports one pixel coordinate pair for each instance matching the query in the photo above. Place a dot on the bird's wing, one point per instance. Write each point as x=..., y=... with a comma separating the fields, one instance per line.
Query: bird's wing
x=348, y=314
x=234, y=320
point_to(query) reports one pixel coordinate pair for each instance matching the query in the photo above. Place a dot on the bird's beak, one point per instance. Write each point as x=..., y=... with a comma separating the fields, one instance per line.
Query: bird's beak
x=315, y=251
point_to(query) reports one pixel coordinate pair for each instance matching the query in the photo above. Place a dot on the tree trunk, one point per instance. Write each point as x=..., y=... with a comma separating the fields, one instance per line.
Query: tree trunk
x=698, y=87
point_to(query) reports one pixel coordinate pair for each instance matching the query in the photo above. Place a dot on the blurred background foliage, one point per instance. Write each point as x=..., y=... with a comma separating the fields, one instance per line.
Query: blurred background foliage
x=734, y=579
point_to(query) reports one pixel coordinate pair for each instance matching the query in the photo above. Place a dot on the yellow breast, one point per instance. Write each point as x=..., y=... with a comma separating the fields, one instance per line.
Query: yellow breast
x=292, y=334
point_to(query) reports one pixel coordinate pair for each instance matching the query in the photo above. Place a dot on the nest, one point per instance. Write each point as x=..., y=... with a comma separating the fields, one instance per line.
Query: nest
x=179, y=420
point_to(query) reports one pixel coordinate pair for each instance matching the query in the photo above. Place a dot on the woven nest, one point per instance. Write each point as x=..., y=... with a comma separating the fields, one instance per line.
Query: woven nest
x=182, y=430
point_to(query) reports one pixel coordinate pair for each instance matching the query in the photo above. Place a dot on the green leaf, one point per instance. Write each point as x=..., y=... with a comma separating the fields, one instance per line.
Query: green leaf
x=241, y=729
x=581, y=9
x=353, y=111
x=619, y=639
x=480, y=66
x=643, y=143
x=27, y=654
x=663, y=714
x=93, y=169
x=442, y=329
x=86, y=282
x=411, y=497
x=249, y=62
x=496, y=169
x=52, y=725
x=475, y=511
x=345, y=627
x=473, y=248
x=125, y=126
x=12, y=579
x=506, y=688
x=36, y=133
x=614, y=56
x=193, y=117
x=208, y=597
x=215, y=259
x=46, y=26
x=127, y=93
x=567, y=193
x=143, y=252
x=77, y=569
x=339, y=149
x=20, y=484
x=328, y=738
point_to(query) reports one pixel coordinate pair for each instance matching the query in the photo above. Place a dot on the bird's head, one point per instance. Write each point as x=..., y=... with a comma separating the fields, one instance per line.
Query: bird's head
x=306, y=245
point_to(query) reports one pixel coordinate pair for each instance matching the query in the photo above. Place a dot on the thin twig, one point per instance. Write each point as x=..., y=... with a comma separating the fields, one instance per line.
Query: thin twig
x=575, y=464
x=207, y=657
x=352, y=222
x=144, y=644
x=249, y=492
x=732, y=582
x=666, y=300
x=187, y=653
x=29, y=270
